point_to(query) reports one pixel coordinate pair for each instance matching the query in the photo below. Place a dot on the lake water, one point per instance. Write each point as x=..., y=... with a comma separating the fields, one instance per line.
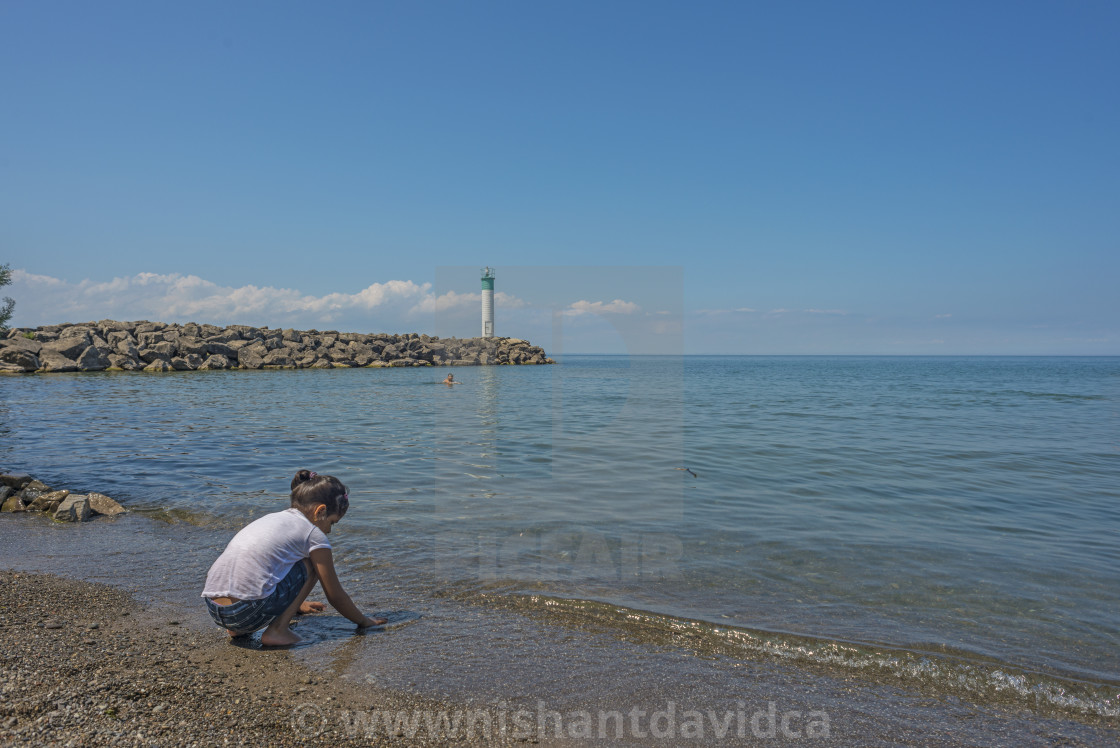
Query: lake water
x=954, y=521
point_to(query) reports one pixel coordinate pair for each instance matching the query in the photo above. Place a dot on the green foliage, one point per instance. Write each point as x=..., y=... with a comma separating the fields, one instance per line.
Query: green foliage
x=9, y=304
x=29, y=335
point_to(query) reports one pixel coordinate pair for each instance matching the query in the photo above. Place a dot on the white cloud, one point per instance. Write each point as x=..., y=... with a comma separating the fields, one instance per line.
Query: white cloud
x=618, y=306
x=389, y=306
x=22, y=276
x=942, y=316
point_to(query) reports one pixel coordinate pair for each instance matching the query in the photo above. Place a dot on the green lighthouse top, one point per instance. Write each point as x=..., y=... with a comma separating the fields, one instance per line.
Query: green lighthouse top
x=487, y=279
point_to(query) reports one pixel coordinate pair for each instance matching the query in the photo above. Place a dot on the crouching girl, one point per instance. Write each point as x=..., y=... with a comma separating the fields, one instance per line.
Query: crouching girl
x=264, y=575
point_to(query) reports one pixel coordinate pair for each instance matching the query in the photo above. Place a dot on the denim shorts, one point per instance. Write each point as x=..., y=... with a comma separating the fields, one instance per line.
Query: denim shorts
x=246, y=616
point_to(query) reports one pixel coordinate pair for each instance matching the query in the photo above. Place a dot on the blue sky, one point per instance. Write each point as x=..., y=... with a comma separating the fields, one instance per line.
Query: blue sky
x=802, y=177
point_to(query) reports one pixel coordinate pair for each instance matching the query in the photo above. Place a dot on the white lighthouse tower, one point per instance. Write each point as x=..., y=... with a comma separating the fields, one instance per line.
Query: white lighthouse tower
x=487, y=302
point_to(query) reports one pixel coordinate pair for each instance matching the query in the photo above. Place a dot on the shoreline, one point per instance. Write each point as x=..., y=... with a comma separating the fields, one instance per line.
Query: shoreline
x=456, y=659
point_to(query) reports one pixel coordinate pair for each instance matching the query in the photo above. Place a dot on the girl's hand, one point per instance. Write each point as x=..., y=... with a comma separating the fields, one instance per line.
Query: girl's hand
x=311, y=607
x=367, y=622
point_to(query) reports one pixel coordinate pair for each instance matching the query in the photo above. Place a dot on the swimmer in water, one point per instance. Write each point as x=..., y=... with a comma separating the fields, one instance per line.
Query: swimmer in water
x=450, y=380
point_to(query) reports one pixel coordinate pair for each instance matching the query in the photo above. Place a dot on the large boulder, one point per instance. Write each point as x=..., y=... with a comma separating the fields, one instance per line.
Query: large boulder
x=73, y=509
x=161, y=351
x=225, y=336
x=99, y=503
x=217, y=361
x=189, y=345
x=158, y=365
x=124, y=363
x=186, y=363
x=69, y=347
x=54, y=361
x=18, y=357
x=13, y=504
x=15, y=481
x=114, y=337
x=27, y=344
x=127, y=347
x=92, y=359
x=215, y=348
x=250, y=358
x=109, y=327
x=281, y=357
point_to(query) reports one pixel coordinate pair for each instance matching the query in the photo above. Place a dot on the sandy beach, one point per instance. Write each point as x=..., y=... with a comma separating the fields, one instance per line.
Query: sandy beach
x=83, y=664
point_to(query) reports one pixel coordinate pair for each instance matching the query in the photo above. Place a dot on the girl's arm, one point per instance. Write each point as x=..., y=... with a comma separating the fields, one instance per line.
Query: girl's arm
x=323, y=561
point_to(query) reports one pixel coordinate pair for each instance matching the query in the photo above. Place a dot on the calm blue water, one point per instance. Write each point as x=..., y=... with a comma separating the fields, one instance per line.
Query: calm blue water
x=948, y=517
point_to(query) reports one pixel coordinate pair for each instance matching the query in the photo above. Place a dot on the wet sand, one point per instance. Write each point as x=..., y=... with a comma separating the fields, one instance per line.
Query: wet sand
x=156, y=670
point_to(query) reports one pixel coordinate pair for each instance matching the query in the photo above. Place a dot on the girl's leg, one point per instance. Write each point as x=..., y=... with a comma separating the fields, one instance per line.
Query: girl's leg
x=277, y=634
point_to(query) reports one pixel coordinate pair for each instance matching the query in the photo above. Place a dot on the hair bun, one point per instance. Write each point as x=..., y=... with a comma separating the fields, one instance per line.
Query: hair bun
x=302, y=476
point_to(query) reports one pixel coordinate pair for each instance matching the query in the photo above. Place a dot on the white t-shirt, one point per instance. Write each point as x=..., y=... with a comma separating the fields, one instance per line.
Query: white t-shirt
x=262, y=554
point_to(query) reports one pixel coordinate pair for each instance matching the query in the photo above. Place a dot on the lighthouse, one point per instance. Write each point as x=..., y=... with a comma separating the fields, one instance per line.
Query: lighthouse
x=487, y=302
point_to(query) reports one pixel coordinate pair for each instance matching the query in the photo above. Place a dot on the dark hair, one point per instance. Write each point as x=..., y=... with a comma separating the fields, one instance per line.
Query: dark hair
x=311, y=489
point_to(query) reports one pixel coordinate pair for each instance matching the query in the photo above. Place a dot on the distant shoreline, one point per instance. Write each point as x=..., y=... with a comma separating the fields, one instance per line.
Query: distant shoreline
x=110, y=345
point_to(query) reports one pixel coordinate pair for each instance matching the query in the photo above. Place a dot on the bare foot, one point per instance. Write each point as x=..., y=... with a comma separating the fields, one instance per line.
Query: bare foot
x=311, y=607
x=279, y=638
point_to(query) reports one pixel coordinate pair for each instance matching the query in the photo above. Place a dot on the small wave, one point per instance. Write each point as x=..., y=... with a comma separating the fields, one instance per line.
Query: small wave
x=959, y=673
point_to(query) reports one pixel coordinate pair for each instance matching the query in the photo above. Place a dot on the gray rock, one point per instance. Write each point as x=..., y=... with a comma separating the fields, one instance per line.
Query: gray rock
x=280, y=357
x=23, y=359
x=92, y=359
x=321, y=363
x=158, y=365
x=53, y=361
x=33, y=346
x=15, y=480
x=189, y=345
x=124, y=363
x=225, y=336
x=73, y=509
x=108, y=327
x=76, y=331
x=248, y=359
x=217, y=361
x=99, y=503
x=5, y=492
x=161, y=351
x=127, y=347
x=69, y=347
x=179, y=363
x=220, y=349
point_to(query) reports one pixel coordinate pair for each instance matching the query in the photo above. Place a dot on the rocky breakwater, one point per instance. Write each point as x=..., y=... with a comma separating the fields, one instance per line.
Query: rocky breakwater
x=155, y=346
x=22, y=493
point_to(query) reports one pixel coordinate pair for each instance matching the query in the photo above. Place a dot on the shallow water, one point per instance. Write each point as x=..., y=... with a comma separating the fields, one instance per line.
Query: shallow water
x=947, y=521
